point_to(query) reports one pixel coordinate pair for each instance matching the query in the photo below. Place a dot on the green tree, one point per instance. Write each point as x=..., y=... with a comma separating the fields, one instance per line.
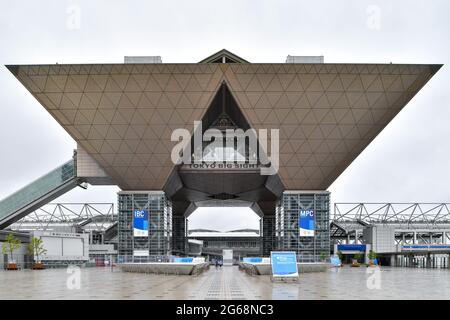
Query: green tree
x=323, y=255
x=340, y=254
x=358, y=256
x=36, y=248
x=10, y=245
x=372, y=255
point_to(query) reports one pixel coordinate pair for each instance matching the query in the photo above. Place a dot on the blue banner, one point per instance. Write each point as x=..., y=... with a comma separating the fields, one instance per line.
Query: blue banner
x=426, y=247
x=140, y=223
x=306, y=223
x=335, y=261
x=184, y=260
x=252, y=260
x=351, y=247
x=284, y=263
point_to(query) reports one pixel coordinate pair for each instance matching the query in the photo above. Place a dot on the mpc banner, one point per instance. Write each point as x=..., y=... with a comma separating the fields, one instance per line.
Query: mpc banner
x=306, y=223
x=140, y=223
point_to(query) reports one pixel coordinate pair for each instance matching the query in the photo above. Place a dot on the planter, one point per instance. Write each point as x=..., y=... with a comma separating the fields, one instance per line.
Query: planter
x=355, y=264
x=372, y=263
x=12, y=266
x=38, y=266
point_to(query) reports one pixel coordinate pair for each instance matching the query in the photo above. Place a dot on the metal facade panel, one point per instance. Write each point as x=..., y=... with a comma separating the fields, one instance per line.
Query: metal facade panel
x=123, y=114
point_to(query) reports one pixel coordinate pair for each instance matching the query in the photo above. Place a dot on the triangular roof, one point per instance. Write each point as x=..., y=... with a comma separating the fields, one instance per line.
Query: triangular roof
x=123, y=115
x=218, y=56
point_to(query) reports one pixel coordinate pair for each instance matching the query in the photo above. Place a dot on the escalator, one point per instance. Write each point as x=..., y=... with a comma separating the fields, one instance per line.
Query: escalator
x=111, y=232
x=38, y=193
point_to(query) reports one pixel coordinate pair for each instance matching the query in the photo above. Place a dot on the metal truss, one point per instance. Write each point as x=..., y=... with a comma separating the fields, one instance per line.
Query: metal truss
x=79, y=216
x=408, y=215
x=413, y=222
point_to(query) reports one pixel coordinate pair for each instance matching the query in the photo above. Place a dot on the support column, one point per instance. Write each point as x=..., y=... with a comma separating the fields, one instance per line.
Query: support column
x=366, y=253
x=393, y=259
x=144, y=225
x=268, y=235
x=179, y=235
x=303, y=224
x=428, y=263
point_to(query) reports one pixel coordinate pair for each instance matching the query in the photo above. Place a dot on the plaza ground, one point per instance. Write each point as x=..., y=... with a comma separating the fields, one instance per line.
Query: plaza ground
x=225, y=283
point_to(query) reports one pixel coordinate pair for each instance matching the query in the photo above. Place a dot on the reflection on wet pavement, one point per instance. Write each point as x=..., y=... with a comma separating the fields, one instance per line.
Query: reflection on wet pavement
x=225, y=283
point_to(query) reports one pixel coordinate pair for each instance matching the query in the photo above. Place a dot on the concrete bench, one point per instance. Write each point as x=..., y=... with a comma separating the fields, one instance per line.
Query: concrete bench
x=177, y=268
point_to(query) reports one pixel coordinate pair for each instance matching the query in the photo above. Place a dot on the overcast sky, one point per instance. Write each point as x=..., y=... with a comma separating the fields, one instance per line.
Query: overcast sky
x=407, y=162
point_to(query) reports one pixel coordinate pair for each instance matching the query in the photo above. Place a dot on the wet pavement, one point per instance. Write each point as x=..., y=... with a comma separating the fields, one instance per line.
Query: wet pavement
x=226, y=283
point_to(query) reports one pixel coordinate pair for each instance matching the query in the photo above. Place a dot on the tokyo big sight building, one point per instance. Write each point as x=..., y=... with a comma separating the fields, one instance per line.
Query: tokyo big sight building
x=122, y=117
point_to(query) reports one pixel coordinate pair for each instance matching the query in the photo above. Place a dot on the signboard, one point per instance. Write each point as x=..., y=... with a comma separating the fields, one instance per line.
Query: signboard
x=335, y=261
x=284, y=264
x=351, y=247
x=227, y=257
x=198, y=260
x=140, y=223
x=306, y=223
x=140, y=253
x=425, y=247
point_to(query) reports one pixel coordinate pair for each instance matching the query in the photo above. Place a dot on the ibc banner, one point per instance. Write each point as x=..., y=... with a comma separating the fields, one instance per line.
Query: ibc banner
x=306, y=223
x=140, y=223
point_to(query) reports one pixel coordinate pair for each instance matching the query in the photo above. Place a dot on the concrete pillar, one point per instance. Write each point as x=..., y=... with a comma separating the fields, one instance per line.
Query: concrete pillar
x=444, y=237
x=269, y=236
x=415, y=237
x=428, y=263
x=403, y=239
x=179, y=231
x=393, y=258
x=366, y=254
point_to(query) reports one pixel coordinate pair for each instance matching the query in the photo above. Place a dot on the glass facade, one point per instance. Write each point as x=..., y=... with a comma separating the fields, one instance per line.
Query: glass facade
x=38, y=188
x=167, y=234
x=268, y=232
x=179, y=243
x=310, y=249
x=159, y=225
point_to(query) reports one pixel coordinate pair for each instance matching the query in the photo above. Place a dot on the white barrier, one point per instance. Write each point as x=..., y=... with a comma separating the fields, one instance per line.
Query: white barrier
x=266, y=268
